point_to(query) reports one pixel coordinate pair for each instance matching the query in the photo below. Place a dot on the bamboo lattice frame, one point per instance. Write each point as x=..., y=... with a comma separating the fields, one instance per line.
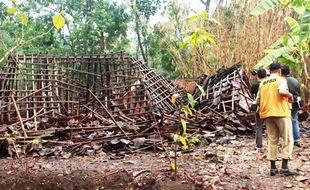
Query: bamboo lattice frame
x=52, y=86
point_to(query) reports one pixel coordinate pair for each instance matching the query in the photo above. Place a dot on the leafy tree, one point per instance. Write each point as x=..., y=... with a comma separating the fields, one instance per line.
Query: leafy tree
x=16, y=24
x=103, y=27
x=92, y=26
x=161, y=56
x=181, y=45
x=193, y=54
x=142, y=11
x=97, y=25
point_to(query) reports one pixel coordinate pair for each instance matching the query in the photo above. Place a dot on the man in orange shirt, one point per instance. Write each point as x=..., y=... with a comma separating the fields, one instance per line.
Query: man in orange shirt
x=275, y=108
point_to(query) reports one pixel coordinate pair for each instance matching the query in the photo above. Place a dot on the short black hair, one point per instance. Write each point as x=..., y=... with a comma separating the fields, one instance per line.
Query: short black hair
x=261, y=73
x=285, y=70
x=274, y=66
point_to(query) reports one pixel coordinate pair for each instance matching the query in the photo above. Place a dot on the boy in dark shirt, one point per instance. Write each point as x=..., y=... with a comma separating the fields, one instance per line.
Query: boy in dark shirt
x=261, y=74
x=294, y=88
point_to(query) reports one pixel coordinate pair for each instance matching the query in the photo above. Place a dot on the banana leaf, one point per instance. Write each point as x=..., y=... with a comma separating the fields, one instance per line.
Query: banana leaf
x=272, y=56
x=293, y=24
x=264, y=6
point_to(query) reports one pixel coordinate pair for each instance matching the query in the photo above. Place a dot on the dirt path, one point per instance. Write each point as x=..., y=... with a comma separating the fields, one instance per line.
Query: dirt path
x=233, y=166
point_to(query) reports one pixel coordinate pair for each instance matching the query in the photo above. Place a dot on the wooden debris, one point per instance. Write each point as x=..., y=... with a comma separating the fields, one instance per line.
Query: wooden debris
x=110, y=115
x=227, y=100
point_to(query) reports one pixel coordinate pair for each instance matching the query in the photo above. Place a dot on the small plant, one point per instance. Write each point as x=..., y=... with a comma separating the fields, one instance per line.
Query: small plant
x=11, y=141
x=193, y=141
x=15, y=133
x=35, y=141
x=6, y=135
x=182, y=137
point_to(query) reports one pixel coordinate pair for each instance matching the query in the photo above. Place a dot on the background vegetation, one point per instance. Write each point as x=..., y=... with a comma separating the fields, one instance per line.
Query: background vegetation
x=184, y=44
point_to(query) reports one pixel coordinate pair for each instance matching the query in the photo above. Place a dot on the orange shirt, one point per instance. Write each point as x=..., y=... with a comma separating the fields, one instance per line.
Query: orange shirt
x=271, y=103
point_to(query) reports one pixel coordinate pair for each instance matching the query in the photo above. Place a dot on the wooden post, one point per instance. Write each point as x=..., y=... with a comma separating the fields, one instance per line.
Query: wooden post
x=19, y=117
x=26, y=85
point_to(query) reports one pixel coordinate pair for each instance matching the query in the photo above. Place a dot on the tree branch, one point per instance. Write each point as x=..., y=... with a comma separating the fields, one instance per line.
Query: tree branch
x=21, y=43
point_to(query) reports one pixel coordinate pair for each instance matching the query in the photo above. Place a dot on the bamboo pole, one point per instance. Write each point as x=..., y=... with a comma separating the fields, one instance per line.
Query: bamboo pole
x=19, y=117
x=26, y=96
x=106, y=110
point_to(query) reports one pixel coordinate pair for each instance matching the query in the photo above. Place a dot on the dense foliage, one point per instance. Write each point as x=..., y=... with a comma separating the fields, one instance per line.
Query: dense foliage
x=91, y=27
x=184, y=44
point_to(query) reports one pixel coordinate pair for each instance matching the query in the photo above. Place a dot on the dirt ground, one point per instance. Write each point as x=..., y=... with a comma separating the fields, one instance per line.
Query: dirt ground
x=233, y=166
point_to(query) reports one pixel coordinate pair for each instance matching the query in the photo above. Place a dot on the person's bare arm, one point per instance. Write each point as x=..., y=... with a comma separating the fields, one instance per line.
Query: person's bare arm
x=283, y=90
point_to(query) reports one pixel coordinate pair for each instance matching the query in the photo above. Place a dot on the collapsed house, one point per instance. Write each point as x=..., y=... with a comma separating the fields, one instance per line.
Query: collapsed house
x=67, y=105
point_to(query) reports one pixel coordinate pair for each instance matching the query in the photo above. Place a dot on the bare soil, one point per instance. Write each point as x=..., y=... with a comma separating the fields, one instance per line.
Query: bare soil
x=233, y=166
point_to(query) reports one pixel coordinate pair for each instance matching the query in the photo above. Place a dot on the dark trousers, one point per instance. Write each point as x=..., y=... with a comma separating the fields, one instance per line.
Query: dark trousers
x=259, y=131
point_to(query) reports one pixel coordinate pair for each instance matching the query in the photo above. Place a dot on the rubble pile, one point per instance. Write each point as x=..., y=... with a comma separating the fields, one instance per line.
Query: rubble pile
x=227, y=101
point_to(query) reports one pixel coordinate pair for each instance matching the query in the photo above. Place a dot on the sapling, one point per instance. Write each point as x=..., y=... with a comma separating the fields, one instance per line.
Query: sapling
x=184, y=138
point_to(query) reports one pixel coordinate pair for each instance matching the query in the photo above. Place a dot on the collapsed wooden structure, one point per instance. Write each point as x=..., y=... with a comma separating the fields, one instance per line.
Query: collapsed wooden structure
x=48, y=86
x=84, y=104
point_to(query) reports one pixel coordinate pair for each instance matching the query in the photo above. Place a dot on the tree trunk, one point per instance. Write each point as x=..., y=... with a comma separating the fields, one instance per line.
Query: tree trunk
x=137, y=30
x=219, y=5
x=206, y=4
x=102, y=42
